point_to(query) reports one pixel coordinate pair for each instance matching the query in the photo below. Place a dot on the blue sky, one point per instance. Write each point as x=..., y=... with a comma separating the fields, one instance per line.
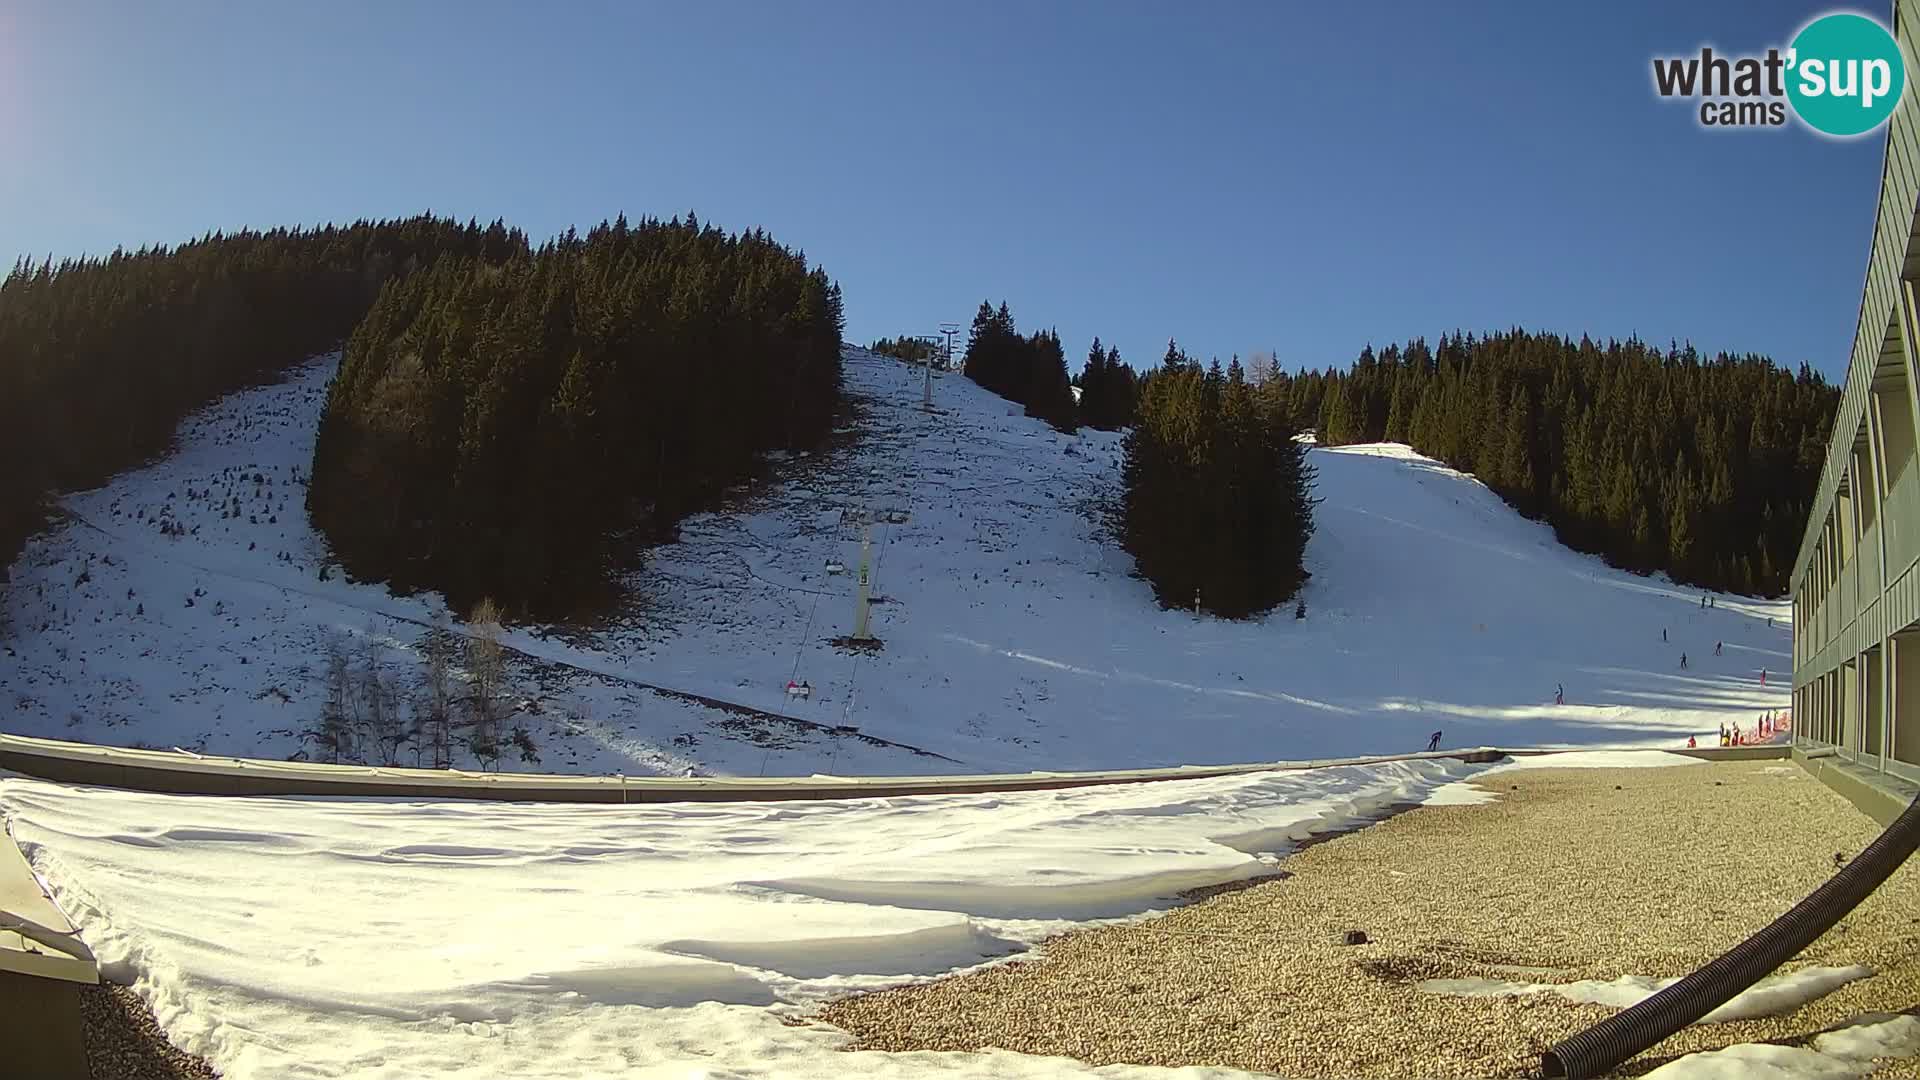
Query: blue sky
x=1304, y=178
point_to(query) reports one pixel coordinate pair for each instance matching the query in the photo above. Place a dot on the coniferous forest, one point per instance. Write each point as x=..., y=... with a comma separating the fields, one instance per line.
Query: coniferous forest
x=1217, y=506
x=1107, y=389
x=100, y=358
x=505, y=416
x=1030, y=370
x=512, y=429
x=906, y=348
x=1655, y=460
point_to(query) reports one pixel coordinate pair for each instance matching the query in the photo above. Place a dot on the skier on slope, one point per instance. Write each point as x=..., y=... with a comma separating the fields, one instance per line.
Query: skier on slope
x=1663, y=635
x=1559, y=694
x=1434, y=742
x=1716, y=648
x=1683, y=661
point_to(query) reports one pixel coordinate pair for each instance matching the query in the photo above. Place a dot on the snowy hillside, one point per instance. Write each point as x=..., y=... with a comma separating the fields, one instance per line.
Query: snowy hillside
x=318, y=938
x=648, y=941
x=183, y=605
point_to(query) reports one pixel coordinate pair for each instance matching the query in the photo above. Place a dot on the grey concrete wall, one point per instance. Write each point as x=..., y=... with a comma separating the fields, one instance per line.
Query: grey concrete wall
x=148, y=770
x=1878, y=795
x=1767, y=752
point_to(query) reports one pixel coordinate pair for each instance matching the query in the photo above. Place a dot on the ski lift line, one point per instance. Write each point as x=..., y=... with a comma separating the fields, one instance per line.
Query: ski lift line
x=790, y=588
x=804, y=635
x=846, y=714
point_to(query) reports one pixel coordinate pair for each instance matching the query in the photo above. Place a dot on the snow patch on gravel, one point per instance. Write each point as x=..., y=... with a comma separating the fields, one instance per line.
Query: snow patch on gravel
x=1839, y=1054
x=1771, y=996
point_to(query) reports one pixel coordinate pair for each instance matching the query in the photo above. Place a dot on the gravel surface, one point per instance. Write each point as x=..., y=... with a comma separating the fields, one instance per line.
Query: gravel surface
x=1572, y=874
x=124, y=1042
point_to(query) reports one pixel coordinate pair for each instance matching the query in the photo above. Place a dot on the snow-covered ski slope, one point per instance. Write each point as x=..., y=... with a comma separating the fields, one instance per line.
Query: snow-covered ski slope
x=1014, y=635
x=375, y=939
x=367, y=938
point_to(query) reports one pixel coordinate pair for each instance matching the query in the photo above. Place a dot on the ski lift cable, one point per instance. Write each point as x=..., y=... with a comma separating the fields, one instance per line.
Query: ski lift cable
x=873, y=572
x=800, y=647
x=853, y=675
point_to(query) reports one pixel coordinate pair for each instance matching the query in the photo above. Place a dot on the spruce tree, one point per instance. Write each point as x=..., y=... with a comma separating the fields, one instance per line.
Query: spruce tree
x=1122, y=390
x=1095, y=387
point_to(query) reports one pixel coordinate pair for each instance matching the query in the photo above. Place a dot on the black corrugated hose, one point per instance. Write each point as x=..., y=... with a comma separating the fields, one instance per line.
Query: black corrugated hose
x=1626, y=1033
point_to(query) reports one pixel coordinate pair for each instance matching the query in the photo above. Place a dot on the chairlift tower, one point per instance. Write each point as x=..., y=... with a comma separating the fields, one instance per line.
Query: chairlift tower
x=947, y=330
x=926, y=392
x=863, y=585
x=863, y=606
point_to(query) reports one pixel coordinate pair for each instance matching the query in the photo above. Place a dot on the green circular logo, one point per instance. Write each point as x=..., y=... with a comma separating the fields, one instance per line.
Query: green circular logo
x=1845, y=74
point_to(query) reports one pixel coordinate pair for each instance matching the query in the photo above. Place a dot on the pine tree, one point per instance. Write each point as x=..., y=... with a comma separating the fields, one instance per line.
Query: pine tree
x=1337, y=424
x=1123, y=387
x=1095, y=387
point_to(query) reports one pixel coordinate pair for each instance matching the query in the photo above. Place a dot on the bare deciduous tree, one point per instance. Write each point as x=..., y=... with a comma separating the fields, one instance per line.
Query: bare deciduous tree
x=335, y=733
x=522, y=740
x=485, y=667
x=1261, y=367
x=379, y=698
x=437, y=706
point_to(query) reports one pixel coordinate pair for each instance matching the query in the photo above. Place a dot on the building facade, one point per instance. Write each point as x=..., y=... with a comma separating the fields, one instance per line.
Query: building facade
x=1856, y=590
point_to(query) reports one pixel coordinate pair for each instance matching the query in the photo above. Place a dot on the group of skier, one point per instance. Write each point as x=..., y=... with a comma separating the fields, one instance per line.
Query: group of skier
x=1707, y=602
x=1730, y=734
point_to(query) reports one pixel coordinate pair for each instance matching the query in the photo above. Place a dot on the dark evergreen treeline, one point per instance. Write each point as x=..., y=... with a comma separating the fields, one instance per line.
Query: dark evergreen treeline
x=497, y=429
x=1030, y=371
x=1216, y=502
x=100, y=358
x=1656, y=460
x=1107, y=389
x=905, y=348
x=1217, y=506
